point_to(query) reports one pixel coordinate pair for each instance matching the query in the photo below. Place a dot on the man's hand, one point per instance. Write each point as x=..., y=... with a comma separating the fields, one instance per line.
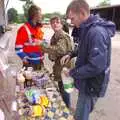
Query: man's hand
x=65, y=59
x=38, y=42
x=66, y=71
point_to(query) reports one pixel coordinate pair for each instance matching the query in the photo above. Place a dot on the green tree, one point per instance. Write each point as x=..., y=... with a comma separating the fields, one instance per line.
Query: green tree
x=26, y=6
x=12, y=15
x=21, y=18
x=104, y=3
x=49, y=15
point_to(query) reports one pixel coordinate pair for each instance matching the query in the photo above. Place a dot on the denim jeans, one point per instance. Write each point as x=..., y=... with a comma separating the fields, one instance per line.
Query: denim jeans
x=85, y=105
x=64, y=94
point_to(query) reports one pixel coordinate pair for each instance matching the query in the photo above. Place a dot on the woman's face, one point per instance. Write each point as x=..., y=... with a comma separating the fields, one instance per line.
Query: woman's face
x=56, y=25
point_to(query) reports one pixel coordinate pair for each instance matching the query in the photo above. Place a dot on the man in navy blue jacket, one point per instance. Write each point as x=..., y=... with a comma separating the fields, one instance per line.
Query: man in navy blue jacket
x=92, y=68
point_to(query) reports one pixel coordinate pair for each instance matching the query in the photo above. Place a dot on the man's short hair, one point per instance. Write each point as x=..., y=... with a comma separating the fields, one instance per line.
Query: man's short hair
x=76, y=5
x=33, y=10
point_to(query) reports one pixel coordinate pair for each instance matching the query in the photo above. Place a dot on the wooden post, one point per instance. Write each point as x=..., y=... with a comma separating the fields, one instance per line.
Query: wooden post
x=3, y=14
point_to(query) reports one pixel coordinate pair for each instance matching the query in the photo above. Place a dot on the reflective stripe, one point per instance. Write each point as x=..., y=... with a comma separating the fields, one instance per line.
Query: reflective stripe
x=19, y=51
x=19, y=46
x=28, y=44
x=37, y=58
x=29, y=33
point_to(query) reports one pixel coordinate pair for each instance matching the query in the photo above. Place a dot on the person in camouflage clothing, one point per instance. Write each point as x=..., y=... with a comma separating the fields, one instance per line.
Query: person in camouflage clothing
x=59, y=46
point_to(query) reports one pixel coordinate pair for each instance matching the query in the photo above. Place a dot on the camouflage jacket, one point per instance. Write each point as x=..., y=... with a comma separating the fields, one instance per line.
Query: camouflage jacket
x=59, y=46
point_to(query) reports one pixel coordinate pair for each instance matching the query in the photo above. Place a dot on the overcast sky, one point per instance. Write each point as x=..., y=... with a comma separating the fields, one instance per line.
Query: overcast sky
x=49, y=6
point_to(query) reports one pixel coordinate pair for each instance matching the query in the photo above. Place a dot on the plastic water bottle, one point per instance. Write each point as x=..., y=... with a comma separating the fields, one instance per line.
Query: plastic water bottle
x=68, y=82
x=14, y=106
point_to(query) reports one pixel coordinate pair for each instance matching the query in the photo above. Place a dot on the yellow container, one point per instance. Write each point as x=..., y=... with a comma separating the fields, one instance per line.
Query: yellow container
x=44, y=101
x=38, y=111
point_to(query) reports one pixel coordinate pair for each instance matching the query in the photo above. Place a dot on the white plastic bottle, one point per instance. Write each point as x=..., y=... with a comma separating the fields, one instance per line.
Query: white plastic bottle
x=14, y=106
x=68, y=81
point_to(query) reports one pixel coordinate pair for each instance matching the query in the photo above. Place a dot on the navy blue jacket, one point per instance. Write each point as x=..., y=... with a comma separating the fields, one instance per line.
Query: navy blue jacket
x=94, y=52
x=74, y=34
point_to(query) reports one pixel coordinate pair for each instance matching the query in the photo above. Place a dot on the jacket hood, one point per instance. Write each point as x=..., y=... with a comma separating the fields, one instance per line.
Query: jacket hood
x=96, y=20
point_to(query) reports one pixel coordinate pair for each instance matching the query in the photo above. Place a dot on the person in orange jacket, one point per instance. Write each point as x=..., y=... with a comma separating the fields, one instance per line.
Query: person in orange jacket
x=30, y=53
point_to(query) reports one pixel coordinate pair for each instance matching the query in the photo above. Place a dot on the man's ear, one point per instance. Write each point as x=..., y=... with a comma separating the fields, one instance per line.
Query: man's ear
x=82, y=11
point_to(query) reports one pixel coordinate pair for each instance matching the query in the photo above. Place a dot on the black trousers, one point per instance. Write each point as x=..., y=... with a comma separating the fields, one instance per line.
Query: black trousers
x=64, y=94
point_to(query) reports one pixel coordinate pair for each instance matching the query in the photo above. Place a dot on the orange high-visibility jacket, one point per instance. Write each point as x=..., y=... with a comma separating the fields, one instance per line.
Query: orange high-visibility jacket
x=25, y=43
